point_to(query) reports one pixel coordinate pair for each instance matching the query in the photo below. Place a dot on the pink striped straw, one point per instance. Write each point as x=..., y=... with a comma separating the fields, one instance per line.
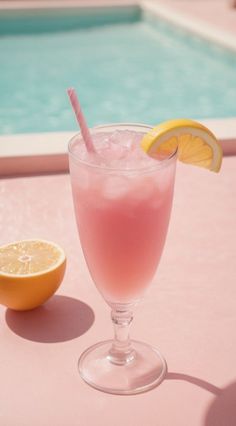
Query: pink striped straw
x=81, y=120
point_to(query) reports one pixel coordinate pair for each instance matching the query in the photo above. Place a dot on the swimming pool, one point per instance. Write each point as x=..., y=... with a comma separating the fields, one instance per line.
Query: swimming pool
x=125, y=67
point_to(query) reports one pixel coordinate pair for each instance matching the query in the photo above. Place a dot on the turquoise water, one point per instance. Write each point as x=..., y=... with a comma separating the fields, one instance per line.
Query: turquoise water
x=125, y=68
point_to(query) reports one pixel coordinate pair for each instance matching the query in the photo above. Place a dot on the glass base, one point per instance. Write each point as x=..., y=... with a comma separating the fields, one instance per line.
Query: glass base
x=144, y=371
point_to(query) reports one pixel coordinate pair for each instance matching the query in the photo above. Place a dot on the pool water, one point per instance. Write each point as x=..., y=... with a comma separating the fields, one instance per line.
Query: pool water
x=127, y=68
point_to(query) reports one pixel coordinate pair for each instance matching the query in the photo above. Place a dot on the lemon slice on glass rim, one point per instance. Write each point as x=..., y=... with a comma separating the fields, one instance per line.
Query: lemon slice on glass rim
x=196, y=144
x=30, y=272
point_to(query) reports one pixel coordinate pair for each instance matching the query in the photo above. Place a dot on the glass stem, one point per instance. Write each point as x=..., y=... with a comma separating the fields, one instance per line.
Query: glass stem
x=121, y=351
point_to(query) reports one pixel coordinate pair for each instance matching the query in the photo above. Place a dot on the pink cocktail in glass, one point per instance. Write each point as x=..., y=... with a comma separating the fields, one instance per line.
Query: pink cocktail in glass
x=122, y=202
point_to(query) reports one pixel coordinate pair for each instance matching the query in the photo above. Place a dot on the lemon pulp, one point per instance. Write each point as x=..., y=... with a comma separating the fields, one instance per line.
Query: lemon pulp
x=29, y=257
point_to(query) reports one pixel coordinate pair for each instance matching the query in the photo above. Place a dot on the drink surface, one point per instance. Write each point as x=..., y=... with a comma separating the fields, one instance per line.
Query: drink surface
x=122, y=202
x=116, y=149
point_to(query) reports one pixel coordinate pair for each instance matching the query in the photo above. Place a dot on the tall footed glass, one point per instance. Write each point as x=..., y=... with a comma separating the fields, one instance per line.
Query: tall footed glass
x=122, y=201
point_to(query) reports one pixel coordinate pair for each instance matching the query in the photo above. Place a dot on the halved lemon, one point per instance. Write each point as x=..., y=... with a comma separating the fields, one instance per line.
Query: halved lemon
x=196, y=144
x=30, y=272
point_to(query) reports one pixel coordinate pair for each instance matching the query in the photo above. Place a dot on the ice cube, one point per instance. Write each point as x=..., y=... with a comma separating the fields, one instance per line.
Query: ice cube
x=143, y=189
x=115, y=187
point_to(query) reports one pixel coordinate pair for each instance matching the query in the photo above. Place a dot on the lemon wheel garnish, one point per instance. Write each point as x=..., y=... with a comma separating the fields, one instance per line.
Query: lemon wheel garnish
x=30, y=272
x=196, y=144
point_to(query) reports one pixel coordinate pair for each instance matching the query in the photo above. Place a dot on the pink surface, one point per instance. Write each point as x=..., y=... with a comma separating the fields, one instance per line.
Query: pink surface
x=189, y=313
x=220, y=14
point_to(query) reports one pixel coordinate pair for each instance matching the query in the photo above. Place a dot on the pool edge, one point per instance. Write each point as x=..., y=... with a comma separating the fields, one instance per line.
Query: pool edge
x=194, y=25
x=38, y=153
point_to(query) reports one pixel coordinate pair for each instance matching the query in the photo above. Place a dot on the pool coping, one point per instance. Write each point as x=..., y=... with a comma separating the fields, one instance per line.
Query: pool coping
x=63, y=4
x=23, y=154
x=43, y=153
x=194, y=25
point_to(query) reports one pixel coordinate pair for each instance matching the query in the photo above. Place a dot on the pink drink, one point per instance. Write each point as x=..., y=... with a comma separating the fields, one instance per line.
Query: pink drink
x=122, y=202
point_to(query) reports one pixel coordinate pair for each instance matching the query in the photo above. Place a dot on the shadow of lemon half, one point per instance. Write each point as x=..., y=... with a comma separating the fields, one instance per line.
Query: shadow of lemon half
x=30, y=273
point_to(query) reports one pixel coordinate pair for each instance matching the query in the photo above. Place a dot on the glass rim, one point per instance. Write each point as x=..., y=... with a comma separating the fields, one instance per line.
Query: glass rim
x=160, y=164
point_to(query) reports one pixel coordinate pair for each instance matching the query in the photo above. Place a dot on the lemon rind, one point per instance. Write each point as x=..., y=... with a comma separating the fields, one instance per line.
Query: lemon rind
x=161, y=133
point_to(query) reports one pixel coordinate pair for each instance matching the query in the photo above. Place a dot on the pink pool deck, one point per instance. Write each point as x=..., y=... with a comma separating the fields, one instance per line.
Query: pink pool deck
x=189, y=313
x=216, y=13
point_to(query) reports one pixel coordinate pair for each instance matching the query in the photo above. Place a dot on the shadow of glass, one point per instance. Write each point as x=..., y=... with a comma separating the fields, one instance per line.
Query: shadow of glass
x=222, y=410
x=62, y=318
x=195, y=381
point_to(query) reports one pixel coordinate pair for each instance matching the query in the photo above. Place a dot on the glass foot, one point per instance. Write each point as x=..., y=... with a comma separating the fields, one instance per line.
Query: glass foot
x=144, y=371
